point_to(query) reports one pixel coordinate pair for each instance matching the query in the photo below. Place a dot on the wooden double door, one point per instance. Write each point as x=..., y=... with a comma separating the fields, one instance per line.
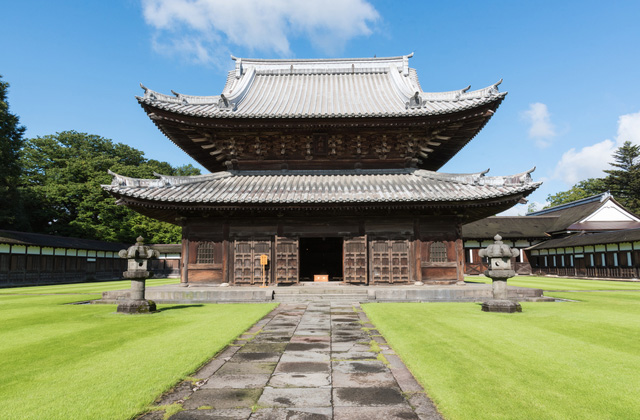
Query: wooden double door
x=363, y=261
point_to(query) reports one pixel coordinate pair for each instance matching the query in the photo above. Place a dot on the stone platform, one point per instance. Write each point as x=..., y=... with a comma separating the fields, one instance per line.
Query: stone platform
x=313, y=361
x=469, y=292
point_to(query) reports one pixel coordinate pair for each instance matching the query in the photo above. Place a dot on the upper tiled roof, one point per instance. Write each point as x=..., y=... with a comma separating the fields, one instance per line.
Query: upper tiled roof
x=582, y=239
x=38, y=239
x=574, y=216
x=509, y=227
x=360, y=87
x=321, y=187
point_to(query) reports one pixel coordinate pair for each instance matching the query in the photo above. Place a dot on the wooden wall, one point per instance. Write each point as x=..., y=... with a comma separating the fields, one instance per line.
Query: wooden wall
x=231, y=236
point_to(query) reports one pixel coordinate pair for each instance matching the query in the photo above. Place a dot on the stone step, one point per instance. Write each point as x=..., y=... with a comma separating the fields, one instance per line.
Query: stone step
x=343, y=297
x=321, y=291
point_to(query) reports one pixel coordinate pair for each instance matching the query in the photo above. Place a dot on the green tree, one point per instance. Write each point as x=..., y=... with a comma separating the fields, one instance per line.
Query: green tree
x=11, y=142
x=61, y=180
x=624, y=181
x=582, y=189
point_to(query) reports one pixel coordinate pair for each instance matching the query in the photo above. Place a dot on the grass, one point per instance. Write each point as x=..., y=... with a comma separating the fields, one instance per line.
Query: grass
x=555, y=283
x=570, y=360
x=93, y=287
x=61, y=361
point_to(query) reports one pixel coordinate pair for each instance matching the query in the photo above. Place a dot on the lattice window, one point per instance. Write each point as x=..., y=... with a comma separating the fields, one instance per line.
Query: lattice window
x=205, y=253
x=438, y=252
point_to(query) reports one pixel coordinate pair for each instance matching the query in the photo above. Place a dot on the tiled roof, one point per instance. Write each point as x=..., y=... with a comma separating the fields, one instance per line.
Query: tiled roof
x=582, y=239
x=509, y=227
x=361, y=87
x=321, y=187
x=569, y=215
x=38, y=239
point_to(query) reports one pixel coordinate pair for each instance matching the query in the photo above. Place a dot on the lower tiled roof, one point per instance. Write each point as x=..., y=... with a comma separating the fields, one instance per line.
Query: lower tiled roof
x=322, y=187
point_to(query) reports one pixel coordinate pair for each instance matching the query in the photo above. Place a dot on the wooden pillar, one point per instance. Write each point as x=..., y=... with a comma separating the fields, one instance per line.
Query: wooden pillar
x=459, y=259
x=417, y=254
x=226, y=255
x=184, y=277
x=417, y=250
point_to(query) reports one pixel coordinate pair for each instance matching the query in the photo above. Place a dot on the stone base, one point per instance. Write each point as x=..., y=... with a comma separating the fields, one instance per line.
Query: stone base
x=136, y=307
x=506, y=306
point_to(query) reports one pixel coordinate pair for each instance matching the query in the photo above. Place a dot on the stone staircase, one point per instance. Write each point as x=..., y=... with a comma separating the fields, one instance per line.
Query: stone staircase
x=319, y=294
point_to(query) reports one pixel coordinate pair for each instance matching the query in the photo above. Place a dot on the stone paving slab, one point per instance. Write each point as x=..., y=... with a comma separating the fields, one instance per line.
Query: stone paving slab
x=300, y=380
x=307, y=413
x=224, y=414
x=295, y=397
x=237, y=381
x=304, y=361
x=370, y=413
x=223, y=398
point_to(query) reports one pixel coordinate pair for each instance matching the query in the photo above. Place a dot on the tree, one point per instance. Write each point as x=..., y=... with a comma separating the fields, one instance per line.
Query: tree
x=623, y=182
x=61, y=180
x=582, y=189
x=11, y=142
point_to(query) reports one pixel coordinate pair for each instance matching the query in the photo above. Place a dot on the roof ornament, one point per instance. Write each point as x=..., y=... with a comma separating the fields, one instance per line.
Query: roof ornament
x=181, y=97
x=148, y=93
x=493, y=90
x=405, y=64
x=415, y=101
x=224, y=103
x=238, y=66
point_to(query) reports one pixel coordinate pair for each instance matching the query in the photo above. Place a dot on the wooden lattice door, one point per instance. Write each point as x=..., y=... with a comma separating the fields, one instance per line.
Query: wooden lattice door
x=354, y=261
x=286, y=264
x=246, y=261
x=390, y=261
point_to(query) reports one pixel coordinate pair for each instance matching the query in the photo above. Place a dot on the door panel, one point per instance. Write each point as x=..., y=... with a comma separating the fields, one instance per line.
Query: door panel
x=390, y=261
x=286, y=260
x=247, y=268
x=354, y=261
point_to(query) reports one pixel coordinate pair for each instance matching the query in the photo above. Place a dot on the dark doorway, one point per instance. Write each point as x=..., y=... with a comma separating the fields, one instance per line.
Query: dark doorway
x=320, y=256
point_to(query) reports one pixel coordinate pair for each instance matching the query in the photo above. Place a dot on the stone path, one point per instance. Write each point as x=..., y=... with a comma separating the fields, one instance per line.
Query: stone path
x=304, y=361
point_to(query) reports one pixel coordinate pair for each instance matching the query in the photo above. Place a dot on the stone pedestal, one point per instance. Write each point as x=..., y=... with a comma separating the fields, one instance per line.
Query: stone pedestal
x=499, y=256
x=138, y=256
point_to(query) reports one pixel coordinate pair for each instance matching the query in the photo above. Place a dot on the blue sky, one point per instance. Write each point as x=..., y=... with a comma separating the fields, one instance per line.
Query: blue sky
x=571, y=67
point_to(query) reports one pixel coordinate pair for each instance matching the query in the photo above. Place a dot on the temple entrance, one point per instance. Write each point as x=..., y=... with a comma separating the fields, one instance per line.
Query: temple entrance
x=321, y=256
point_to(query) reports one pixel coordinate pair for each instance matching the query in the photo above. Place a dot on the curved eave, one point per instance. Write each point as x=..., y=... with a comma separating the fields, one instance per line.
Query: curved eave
x=175, y=126
x=466, y=211
x=318, y=206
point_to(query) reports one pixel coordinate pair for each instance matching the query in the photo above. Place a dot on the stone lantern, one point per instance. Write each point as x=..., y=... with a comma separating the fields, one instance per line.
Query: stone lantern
x=138, y=257
x=499, y=255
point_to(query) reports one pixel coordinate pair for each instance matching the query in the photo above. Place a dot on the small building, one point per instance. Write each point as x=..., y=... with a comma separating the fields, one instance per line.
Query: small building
x=30, y=258
x=324, y=167
x=519, y=232
x=592, y=237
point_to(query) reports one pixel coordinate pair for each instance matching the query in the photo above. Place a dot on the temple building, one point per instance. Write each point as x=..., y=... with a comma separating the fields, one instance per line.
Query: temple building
x=327, y=167
x=593, y=237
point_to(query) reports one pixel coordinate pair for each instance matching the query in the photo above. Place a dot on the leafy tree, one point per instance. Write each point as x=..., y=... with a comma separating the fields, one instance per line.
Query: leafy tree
x=62, y=178
x=11, y=142
x=623, y=182
x=582, y=189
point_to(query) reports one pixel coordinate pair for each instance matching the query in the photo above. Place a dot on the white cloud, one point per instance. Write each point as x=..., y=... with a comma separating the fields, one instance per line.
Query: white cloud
x=587, y=162
x=629, y=129
x=205, y=30
x=541, y=129
x=590, y=161
x=523, y=209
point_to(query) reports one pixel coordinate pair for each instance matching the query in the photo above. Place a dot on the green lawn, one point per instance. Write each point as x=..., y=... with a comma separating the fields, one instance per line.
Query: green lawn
x=93, y=287
x=62, y=361
x=553, y=283
x=569, y=360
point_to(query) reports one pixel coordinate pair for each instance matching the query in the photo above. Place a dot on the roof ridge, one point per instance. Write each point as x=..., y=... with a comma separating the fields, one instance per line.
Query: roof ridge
x=598, y=197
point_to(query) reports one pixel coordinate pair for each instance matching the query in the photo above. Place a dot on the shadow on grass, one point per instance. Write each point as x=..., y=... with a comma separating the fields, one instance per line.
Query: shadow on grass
x=179, y=307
